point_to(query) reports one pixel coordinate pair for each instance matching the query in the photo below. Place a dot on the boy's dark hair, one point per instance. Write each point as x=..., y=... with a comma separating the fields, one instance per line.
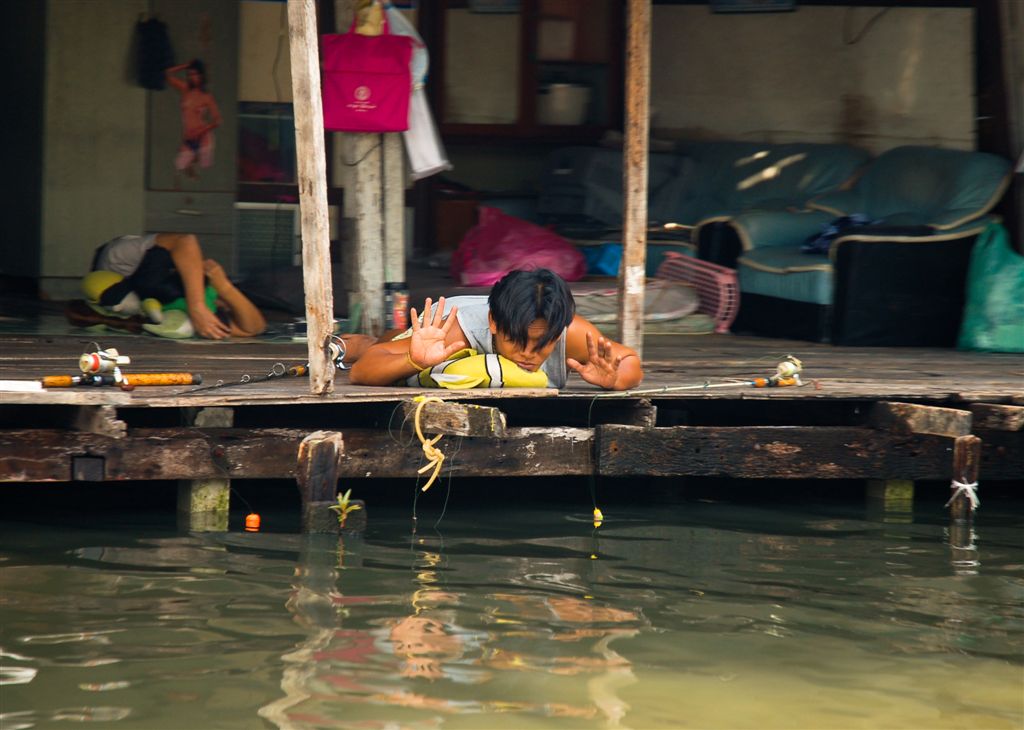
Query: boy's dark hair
x=524, y=296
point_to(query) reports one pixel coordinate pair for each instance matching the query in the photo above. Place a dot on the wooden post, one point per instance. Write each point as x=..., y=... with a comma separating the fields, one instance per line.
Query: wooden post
x=312, y=174
x=966, y=458
x=369, y=244
x=634, y=182
x=319, y=457
x=394, y=209
x=204, y=504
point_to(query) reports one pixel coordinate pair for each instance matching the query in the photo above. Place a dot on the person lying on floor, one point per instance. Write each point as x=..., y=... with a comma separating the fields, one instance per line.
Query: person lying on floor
x=165, y=277
x=529, y=318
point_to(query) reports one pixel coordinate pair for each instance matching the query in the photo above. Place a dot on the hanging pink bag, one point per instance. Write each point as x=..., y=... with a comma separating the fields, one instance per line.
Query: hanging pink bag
x=366, y=81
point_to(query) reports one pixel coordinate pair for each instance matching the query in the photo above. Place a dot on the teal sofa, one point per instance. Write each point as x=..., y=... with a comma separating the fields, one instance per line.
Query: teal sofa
x=696, y=186
x=898, y=280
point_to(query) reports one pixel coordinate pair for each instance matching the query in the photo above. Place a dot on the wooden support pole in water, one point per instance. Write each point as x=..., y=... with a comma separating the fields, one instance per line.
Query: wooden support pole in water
x=966, y=460
x=316, y=472
x=204, y=504
x=634, y=183
x=312, y=173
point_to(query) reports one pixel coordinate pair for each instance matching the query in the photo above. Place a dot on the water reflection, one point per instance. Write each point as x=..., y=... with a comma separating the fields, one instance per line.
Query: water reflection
x=715, y=617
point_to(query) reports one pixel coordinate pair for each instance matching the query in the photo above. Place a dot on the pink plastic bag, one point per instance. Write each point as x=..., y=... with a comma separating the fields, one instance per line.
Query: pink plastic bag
x=501, y=243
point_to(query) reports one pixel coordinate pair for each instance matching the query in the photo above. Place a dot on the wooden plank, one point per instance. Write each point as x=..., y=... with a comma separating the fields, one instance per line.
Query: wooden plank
x=914, y=418
x=457, y=419
x=786, y=452
x=634, y=183
x=992, y=417
x=312, y=174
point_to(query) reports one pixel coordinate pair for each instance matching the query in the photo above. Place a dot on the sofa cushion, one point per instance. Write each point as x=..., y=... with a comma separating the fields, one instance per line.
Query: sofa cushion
x=785, y=273
x=735, y=176
x=915, y=185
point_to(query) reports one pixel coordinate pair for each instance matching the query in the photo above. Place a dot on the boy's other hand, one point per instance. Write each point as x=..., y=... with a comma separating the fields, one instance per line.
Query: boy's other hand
x=427, y=344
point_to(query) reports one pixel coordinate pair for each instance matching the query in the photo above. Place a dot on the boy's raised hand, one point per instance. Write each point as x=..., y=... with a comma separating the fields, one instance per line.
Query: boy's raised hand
x=427, y=344
x=602, y=367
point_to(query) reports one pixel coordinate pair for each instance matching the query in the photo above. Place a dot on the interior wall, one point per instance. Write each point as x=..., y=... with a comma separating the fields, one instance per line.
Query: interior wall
x=21, y=48
x=870, y=76
x=94, y=128
x=264, y=61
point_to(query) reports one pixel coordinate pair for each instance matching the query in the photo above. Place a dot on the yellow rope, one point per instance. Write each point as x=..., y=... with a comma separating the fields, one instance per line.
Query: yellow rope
x=434, y=455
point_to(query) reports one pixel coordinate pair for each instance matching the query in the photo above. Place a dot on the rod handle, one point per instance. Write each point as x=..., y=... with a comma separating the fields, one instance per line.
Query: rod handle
x=134, y=379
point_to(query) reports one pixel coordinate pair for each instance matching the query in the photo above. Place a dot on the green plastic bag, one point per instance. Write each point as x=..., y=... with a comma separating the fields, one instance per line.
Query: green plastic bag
x=994, y=310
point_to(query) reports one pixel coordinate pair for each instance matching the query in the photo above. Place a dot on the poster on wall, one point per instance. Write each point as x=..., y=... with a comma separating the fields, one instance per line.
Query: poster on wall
x=199, y=117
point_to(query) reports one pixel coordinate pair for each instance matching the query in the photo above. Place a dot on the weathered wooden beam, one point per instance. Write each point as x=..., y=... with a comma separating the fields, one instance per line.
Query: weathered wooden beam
x=316, y=472
x=914, y=418
x=458, y=419
x=634, y=183
x=993, y=417
x=312, y=173
x=46, y=455
x=782, y=452
x=558, y=451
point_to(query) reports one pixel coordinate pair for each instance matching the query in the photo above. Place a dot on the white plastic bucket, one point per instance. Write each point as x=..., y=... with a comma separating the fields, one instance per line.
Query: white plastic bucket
x=563, y=104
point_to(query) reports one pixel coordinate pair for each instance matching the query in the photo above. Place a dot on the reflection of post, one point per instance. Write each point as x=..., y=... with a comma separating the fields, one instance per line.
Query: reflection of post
x=618, y=674
x=317, y=474
x=312, y=603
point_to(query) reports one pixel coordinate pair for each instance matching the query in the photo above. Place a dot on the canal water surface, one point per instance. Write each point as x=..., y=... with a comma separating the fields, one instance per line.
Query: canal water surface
x=675, y=613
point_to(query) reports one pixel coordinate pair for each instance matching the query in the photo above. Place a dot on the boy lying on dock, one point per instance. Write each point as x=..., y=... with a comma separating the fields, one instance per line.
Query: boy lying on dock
x=529, y=318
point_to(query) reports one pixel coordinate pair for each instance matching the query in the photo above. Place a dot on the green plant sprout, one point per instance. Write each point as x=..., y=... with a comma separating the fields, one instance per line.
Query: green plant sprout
x=344, y=507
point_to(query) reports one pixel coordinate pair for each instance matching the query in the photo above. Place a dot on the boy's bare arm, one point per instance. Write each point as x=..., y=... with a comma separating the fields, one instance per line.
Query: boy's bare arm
x=600, y=360
x=188, y=260
x=432, y=342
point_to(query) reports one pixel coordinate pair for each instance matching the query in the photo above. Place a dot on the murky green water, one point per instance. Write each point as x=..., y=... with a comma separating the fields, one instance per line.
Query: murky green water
x=673, y=615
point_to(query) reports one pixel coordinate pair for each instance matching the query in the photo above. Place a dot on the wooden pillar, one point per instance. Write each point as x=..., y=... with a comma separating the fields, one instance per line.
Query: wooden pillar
x=394, y=208
x=966, y=458
x=634, y=253
x=204, y=504
x=312, y=178
x=319, y=457
x=366, y=184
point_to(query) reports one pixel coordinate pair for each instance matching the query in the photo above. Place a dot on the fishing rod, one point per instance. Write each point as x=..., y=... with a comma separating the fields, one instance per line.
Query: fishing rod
x=103, y=368
x=787, y=374
x=335, y=349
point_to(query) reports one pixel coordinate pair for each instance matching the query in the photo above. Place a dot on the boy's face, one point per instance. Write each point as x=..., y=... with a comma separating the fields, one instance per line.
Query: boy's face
x=530, y=357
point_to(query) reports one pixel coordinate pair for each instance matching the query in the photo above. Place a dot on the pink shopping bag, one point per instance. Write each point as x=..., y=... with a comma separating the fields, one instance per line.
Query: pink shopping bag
x=366, y=82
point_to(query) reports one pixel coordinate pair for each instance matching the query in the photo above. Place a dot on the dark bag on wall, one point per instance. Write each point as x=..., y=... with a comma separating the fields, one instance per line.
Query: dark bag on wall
x=366, y=81
x=154, y=53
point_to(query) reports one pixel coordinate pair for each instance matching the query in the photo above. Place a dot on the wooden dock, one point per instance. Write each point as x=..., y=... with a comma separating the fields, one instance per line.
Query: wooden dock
x=862, y=413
